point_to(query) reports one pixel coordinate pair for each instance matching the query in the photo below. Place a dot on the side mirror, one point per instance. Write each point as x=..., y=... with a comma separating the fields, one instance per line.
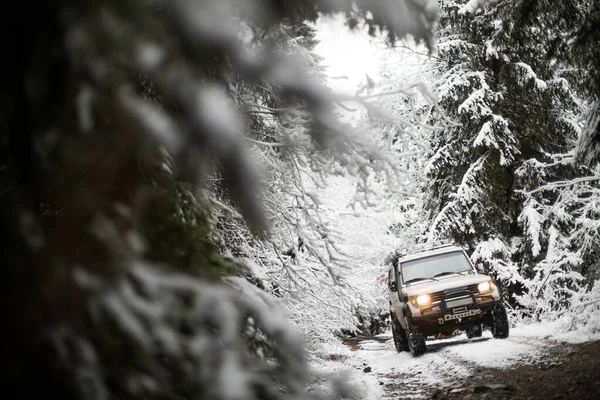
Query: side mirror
x=393, y=287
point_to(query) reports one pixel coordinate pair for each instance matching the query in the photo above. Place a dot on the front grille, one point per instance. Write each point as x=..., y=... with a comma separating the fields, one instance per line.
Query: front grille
x=473, y=288
x=437, y=296
x=454, y=292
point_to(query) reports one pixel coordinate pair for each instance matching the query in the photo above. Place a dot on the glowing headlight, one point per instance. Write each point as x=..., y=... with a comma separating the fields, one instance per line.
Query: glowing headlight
x=423, y=300
x=485, y=287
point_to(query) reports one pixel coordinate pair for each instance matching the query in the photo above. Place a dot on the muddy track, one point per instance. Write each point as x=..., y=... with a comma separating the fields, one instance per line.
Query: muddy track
x=520, y=367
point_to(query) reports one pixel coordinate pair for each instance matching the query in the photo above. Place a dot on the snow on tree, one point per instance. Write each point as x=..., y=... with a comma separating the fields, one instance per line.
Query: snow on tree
x=495, y=177
x=388, y=107
x=568, y=32
x=587, y=150
x=309, y=260
x=566, y=230
x=569, y=268
x=117, y=120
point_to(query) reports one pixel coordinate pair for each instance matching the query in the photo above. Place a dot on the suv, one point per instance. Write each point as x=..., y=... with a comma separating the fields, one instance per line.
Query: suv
x=438, y=291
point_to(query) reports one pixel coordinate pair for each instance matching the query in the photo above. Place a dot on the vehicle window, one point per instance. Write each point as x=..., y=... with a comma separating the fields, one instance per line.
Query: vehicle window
x=440, y=264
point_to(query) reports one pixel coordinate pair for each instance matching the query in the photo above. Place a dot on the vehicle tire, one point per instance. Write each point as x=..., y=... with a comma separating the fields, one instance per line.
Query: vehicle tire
x=474, y=331
x=399, y=335
x=416, y=339
x=500, y=326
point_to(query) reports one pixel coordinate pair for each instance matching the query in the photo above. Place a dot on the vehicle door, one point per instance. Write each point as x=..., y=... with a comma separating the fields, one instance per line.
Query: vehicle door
x=393, y=290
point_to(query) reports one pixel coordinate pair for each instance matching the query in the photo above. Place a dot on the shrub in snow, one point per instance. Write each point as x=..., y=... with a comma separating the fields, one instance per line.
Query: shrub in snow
x=584, y=311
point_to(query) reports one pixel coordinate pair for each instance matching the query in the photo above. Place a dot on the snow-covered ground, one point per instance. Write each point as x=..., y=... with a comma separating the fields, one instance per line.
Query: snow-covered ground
x=379, y=372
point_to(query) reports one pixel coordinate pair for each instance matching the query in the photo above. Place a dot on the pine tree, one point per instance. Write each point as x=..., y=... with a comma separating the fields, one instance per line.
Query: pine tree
x=570, y=45
x=114, y=118
x=517, y=126
x=561, y=214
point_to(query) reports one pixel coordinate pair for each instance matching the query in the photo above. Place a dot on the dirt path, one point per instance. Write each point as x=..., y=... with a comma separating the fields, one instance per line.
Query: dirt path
x=566, y=372
x=523, y=366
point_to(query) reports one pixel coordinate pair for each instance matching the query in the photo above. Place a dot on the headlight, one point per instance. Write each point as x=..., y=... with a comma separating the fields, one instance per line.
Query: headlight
x=485, y=287
x=422, y=300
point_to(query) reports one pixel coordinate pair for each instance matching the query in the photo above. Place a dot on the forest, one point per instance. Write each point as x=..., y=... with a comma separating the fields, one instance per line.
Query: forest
x=188, y=210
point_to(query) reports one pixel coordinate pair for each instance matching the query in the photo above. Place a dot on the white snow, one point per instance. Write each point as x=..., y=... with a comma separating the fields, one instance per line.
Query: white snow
x=529, y=74
x=447, y=361
x=472, y=6
x=557, y=331
x=532, y=219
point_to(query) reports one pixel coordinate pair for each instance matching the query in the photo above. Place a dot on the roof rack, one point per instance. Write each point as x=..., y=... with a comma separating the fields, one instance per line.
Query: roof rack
x=399, y=253
x=441, y=246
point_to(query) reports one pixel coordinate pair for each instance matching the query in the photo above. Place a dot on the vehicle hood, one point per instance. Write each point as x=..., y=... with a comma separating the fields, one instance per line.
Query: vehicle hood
x=443, y=283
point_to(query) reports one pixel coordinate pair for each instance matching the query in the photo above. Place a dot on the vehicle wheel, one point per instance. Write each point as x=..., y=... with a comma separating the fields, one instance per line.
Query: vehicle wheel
x=474, y=331
x=416, y=340
x=500, y=326
x=399, y=335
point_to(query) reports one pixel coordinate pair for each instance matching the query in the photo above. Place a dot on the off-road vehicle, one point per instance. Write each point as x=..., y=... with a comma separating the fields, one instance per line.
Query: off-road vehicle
x=439, y=291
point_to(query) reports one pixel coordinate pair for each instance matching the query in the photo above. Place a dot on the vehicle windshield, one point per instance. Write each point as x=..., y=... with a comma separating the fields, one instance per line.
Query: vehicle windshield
x=432, y=266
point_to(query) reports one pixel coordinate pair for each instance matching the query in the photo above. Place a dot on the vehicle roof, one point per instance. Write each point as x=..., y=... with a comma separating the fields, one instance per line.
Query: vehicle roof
x=430, y=252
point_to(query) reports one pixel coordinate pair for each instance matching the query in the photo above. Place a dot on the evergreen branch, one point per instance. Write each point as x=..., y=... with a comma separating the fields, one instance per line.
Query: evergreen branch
x=558, y=184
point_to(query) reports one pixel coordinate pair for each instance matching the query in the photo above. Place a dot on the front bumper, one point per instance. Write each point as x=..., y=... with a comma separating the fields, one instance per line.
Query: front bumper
x=472, y=310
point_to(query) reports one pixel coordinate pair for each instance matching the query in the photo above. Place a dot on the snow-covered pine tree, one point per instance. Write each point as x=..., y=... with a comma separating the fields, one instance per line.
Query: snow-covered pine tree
x=86, y=312
x=560, y=216
x=568, y=32
x=517, y=120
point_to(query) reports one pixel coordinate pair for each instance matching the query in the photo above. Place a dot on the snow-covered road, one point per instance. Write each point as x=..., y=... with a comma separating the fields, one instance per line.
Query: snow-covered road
x=447, y=362
x=380, y=372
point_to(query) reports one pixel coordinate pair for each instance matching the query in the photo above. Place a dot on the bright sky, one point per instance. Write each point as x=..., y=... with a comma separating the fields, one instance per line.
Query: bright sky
x=346, y=53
